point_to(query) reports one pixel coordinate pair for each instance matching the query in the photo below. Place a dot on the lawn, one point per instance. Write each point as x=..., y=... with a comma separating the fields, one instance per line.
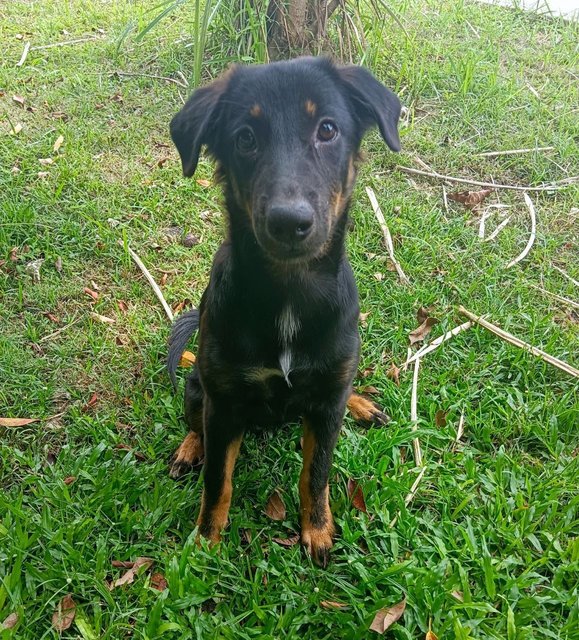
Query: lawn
x=489, y=545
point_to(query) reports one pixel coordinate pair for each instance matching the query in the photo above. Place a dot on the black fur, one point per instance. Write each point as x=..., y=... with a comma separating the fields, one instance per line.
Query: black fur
x=278, y=322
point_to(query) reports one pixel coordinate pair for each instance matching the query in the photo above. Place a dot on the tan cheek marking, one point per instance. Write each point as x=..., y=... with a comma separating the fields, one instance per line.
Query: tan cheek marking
x=311, y=108
x=255, y=111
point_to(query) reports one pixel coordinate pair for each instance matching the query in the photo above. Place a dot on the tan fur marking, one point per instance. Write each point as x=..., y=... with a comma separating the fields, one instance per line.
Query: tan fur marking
x=190, y=450
x=218, y=514
x=361, y=408
x=255, y=111
x=311, y=108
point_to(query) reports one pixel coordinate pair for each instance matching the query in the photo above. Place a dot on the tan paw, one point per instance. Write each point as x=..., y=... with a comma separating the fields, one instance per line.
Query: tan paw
x=189, y=454
x=318, y=543
x=365, y=411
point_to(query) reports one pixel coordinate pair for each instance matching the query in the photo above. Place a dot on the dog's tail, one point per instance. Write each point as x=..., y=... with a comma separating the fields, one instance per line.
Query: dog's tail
x=183, y=328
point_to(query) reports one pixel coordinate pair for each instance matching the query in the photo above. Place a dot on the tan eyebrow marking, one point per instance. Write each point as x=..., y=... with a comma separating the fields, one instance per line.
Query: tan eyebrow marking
x=311, y=108
x=255, y=111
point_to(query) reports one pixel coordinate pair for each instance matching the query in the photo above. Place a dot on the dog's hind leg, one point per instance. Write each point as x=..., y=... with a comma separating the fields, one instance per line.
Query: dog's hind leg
x=365, y=411
x=190, y=451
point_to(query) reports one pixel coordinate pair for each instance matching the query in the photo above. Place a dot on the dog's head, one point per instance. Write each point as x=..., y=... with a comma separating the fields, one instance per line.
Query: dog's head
x=286, y=136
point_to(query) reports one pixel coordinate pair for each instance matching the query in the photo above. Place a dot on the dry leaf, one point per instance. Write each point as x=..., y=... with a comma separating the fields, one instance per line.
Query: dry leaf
x=16, y=129
x=379, y=276
x=162, y=161
x=187, y=359
x=386, y=617
x=33, y=269
x=51, y=317
x=16, y=422
x=329, y=604
x=58, y=143
x=158, y=582
x=43, y=174
x=11, y=621
x=103, y=319
x=123, y=306
x=470, y=199
x=45, y=161
x=130, y=574
x=422, y=331
x=394, y=374
x=59, y=115
x=430, y=635
x=287, y=542
x=14, y=254
x=19, y=100
x=370, y=390
x=91, y=403
x=93, y=294
x=364, y=318
x=458, y=595
x=440, y=418
x=123, y=564
x=356, y=495
x=163, y=280
x=189, y=240
x=69, y=480
x=58, y=264
x=423, y=313
x=203, y=183
x=275, y=507
x=64, y=614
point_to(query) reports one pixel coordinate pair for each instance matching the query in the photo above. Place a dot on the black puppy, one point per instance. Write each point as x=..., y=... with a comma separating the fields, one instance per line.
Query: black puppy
x=278, y=323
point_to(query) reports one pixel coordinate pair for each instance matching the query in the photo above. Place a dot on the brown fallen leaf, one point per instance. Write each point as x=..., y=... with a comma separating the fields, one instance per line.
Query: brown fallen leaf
x=123, y=306
x=58, y=143
x=159, y=582
x=11, y=621
x=69, y=480
x=129, y=575
x=330, y=604
x=59, y=115
x=356, y=495
x=370, y=390
x=123, y=564
x=187, y=359
x=387, y=616
x=51, y=317
x=163, y=280
x=275, y=507
x=19, y=100
x=162, y=161
x=189, y=240
x=418, y=334
x=430, y=635
x=93, y=294
x=16, y=422
x=203, y=183
x=423, y=313
x=64, y=614
x=470, y=199
x=125, y=447
x=394, y=374
x=91, y=403
x=440, y=418
x=14, y=254
x=287, y=542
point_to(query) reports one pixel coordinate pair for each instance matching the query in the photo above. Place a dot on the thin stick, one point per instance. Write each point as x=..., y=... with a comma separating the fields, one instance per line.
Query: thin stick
x=568, y=301
x=414, y=414
x=561, y=184
x=444, y=198
x=410, y=495
x=564, y=273
x=512, y=152
x=151, y=281
x=499, y=228
x=436, y=343
x=64, y=43
x=58, y=331
x=24, y=55
x=510, y=338
x=149, y=75
x=459, y=431
x=481, y=227
x=531, y=241
x=387, y=237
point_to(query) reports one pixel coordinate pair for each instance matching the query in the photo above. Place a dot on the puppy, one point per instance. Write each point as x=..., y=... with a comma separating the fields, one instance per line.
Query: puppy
x=278, y=322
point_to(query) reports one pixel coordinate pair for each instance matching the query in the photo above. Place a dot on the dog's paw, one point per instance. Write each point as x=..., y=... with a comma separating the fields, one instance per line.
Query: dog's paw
x=318, y=543
x=189, y=454
x=366, y=412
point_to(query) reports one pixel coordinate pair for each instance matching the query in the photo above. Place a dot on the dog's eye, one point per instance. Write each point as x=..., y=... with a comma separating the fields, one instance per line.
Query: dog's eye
x=327, y=131
x=245, y=141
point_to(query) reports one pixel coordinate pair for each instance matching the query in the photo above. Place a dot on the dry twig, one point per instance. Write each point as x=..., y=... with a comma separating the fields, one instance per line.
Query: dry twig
x=499, y=228
x=64, y=43
x=511, y=339
x=567, y=301
x=151, y=281
x=414, y=414
x=512, y=152
x=555, y=186
x=387, y=237
x=436, y=343
x=526, y=250
x=24, y=55
x=58, y=331
x=564, y=273
x=150, y=75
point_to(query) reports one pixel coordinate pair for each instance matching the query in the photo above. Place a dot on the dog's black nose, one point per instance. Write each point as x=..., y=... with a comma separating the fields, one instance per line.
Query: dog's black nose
x=290, y=223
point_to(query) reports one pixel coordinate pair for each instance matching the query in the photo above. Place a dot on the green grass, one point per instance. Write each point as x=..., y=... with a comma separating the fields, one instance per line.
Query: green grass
x=495, y=517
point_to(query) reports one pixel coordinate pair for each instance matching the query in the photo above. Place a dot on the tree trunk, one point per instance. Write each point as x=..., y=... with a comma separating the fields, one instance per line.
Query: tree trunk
x=297, y=27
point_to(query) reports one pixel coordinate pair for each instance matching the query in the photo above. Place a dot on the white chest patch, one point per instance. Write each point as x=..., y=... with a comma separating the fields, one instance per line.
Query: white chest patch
x=288, y=325
x=285, y=362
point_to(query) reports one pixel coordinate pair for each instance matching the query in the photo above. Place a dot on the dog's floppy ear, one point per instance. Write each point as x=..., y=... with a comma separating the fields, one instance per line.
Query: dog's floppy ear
x=194, y=126
x=373, y=102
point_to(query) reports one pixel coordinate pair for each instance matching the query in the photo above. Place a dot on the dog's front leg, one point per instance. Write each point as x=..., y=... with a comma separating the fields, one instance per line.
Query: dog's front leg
x=321, y=429
x=223, y=436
